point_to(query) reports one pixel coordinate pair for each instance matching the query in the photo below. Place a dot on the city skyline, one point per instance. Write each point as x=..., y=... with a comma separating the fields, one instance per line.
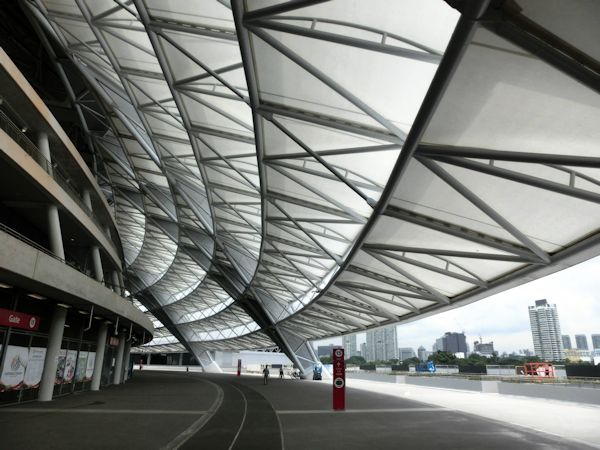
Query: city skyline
x=504, y=319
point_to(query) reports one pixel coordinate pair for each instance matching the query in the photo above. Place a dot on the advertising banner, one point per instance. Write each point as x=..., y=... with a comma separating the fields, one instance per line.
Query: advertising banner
x=13, y=372
x=81, y=366
x=89, y=370
x=35, y=367
x=339, y=379
x=60, y=366
x=70, y=363
x=16, y=319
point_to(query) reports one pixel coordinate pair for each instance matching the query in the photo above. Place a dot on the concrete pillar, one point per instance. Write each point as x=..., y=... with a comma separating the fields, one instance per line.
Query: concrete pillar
x=55, y=233
x=97, y=263
x=121, y=284
x=149, y=359
x=126, y=357
x=57, y=327
x=181, y=359
x=119, y=360
x=115, y=282
x=87, y=200
x=100, y=349
x=45, y=159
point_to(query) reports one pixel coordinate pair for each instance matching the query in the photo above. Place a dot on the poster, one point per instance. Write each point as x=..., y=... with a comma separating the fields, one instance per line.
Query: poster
x=70, y=363
x=81, y=366
x=60, y=366
x=13, y=372
x=91, y=361
x=35, y=367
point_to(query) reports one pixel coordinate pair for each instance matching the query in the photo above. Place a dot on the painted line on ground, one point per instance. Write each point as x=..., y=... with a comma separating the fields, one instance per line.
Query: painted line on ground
x=358, y=411
x=103, y=411
x=243, y=418
x=184, y=436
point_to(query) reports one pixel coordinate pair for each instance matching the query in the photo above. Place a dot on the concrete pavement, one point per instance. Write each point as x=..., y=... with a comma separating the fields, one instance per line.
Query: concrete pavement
x=189, y=410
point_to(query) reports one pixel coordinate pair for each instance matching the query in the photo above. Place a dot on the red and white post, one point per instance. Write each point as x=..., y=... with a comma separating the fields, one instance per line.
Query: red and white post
x=239, y=369
x=339, y=379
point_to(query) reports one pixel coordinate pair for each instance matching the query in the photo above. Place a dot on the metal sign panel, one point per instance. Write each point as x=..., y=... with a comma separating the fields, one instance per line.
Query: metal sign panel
x=339, y=379
x=16, y=319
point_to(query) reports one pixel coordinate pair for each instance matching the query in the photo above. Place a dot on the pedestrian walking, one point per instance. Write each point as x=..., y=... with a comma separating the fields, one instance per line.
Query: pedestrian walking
x=281, y=373
x=266, y=375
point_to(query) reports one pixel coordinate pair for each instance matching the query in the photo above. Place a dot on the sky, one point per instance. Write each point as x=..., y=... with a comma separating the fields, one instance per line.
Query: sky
x=503, y=318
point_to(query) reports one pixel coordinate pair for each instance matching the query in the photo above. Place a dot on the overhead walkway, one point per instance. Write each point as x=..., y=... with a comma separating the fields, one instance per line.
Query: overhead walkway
x=190, y=410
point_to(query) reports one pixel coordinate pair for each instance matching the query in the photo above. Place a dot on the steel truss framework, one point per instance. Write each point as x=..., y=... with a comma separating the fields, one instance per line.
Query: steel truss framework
x=290, y=170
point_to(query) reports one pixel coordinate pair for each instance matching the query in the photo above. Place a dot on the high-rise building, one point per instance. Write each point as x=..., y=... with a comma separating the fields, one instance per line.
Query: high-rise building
x=545, y=330
x=566, y=340
x=405, y=353
x=596, y=341
x=350, y=346
x=324, y=350
x=382, y=344
x=423, y=353
x=363, y=350
x=581, y=342
x=483, y=348
x=452, y=343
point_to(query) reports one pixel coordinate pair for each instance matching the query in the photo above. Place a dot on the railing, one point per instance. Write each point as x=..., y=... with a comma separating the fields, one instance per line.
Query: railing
x=51, y=168
x=43, y=249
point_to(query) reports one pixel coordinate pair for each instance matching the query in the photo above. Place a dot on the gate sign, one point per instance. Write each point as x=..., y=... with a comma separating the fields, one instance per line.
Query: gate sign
x=15, y=319
x=239, y=369
x=339, y=379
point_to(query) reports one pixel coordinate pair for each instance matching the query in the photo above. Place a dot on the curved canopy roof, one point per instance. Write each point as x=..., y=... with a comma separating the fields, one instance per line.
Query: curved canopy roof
x=328, y=166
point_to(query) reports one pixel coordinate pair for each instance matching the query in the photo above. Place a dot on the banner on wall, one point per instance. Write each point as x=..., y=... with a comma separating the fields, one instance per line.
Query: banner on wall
x=35, y=367
x=60, y=366
x=13, y=372
x=89, y=370
x=81, y=366
x=70, y=363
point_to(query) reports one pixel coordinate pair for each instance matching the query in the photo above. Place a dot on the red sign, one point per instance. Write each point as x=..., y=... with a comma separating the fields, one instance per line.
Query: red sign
x=239, y=367
x=339, y=379
x=15, y=319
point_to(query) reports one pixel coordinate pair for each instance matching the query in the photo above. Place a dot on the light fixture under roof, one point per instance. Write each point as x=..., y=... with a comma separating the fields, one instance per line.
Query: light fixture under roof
x=5, y=286
x=36, y=296
x=85, y=313
x=63, y=305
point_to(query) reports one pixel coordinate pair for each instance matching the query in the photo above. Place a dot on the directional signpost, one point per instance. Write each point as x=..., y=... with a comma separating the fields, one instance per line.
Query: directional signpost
x=239, y=368
x=339, y=379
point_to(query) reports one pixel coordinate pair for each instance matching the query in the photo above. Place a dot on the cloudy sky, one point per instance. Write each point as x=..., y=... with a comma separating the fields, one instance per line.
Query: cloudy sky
x=503, y=317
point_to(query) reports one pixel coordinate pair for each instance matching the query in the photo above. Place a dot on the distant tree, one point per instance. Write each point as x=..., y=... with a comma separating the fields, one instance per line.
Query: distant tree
x=356, y=360
x=414, y=360
x=473, y=360
x=442, y=358
x=325, y=359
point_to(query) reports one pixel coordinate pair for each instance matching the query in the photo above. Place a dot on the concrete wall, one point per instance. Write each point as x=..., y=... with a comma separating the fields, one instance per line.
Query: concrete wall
x=53, y=278
x=565, y=392
x=372, y=376
x=501, y=371
x=568, y=393
x=445, y=383
x=40, y=178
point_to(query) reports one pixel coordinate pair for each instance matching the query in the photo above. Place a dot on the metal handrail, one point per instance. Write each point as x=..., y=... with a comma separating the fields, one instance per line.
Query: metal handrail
x=41, y=248
x=51, y=168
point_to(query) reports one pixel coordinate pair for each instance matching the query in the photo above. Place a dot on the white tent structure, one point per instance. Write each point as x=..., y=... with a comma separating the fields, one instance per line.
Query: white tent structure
x=290, y=170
